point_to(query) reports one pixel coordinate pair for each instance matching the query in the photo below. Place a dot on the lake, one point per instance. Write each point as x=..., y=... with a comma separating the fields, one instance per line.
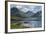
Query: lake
x=30, y=22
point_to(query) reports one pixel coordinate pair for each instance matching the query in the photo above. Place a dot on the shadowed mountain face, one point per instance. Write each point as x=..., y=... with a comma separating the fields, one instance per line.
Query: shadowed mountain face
x=14, y=11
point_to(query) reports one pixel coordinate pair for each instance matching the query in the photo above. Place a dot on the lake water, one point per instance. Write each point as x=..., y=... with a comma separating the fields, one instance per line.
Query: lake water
x=34, y=22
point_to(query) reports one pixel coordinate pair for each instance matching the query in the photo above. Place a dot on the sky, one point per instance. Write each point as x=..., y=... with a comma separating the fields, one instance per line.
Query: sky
x=26, y=8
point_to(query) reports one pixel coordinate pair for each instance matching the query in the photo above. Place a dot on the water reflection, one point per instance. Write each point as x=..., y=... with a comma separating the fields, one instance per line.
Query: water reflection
x=29, y=22
x=34, y=22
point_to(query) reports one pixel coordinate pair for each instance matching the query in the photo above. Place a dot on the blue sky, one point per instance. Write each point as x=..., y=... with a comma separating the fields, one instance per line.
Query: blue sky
x=26, y=8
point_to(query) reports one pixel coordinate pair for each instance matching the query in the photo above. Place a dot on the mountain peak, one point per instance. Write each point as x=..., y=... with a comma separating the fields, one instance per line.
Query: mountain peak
x=30, y=13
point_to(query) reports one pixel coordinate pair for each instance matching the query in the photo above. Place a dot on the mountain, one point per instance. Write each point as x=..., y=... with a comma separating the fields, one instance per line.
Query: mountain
x=38, y=14
x=16, y=12
x=29, y=13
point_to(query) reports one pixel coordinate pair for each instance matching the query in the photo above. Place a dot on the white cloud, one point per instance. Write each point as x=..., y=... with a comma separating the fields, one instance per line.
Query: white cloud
x=19, y=7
